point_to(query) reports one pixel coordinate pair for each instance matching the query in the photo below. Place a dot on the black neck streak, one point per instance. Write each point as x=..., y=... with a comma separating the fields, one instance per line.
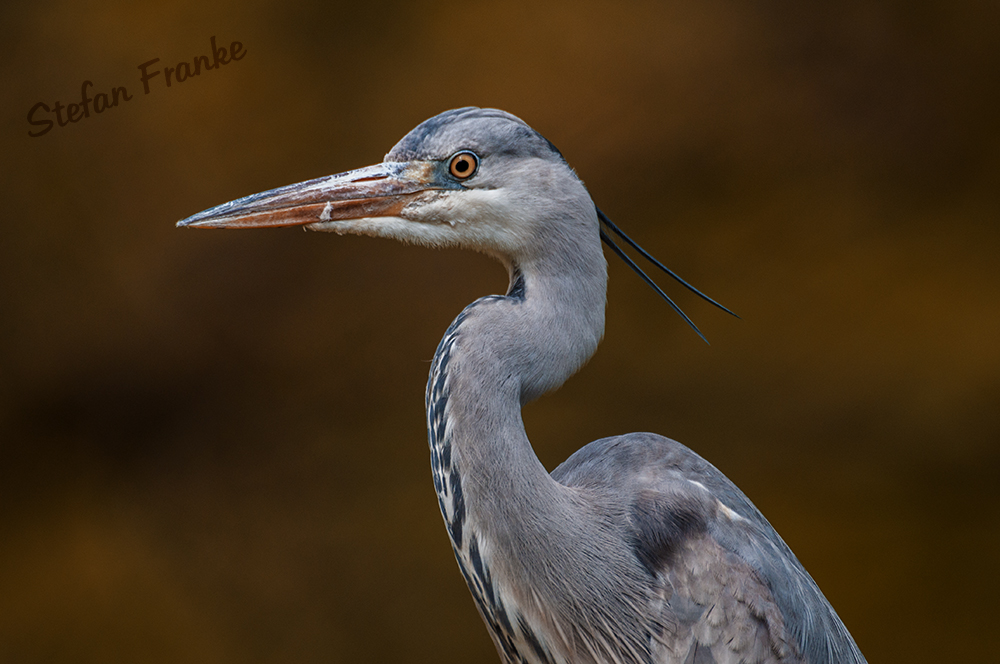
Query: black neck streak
x=513, y=635
x=516, y=289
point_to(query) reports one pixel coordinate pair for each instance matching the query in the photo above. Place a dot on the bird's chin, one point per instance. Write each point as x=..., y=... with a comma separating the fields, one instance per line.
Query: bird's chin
x=396, y=228
x=371, y=226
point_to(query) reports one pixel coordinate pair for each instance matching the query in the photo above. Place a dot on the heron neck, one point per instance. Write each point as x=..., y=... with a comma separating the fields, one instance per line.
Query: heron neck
x=500, y=353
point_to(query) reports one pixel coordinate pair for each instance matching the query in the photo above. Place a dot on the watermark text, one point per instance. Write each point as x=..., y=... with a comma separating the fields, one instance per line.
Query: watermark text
x=46, y=117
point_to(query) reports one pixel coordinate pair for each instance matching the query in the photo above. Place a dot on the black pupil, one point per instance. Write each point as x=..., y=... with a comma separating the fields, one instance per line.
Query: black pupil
x=462, y=164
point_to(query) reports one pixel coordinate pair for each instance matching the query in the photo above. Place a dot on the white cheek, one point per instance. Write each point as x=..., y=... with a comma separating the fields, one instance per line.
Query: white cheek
x=428, y=235
x=479, y=218
x=431, y=208
x=470, y=206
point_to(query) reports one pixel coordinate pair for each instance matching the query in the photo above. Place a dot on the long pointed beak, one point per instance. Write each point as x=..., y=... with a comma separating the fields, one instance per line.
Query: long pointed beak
x=382, y=190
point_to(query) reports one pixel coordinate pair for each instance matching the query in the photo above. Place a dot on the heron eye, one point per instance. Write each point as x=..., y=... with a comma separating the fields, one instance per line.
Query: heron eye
x=463, y=165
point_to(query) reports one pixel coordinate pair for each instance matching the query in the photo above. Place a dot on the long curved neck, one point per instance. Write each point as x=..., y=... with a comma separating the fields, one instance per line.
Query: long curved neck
x=500, y=353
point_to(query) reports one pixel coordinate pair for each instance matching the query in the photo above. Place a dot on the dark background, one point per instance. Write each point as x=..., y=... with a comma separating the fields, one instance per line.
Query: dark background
x=212, y=444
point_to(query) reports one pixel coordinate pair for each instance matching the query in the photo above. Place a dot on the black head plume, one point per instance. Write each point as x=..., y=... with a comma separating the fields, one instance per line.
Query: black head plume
x=606, y=223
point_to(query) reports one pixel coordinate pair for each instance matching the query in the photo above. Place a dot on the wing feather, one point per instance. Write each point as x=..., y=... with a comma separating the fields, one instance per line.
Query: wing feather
x=728, y=587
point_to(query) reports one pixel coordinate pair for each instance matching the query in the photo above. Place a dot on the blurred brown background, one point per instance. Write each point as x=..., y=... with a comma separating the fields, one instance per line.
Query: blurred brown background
x=212, y=444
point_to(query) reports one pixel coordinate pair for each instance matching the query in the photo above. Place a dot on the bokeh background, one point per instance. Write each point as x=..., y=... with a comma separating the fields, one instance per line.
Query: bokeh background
x=212, y=444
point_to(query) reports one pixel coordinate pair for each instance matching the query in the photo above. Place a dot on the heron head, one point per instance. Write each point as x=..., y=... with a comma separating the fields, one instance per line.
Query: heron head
x=473, y=178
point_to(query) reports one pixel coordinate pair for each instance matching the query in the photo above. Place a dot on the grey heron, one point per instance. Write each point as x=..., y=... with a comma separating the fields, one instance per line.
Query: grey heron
x=635, y=549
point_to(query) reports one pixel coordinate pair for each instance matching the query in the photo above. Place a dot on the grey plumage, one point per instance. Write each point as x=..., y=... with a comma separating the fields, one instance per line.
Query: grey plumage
x=635, y=549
